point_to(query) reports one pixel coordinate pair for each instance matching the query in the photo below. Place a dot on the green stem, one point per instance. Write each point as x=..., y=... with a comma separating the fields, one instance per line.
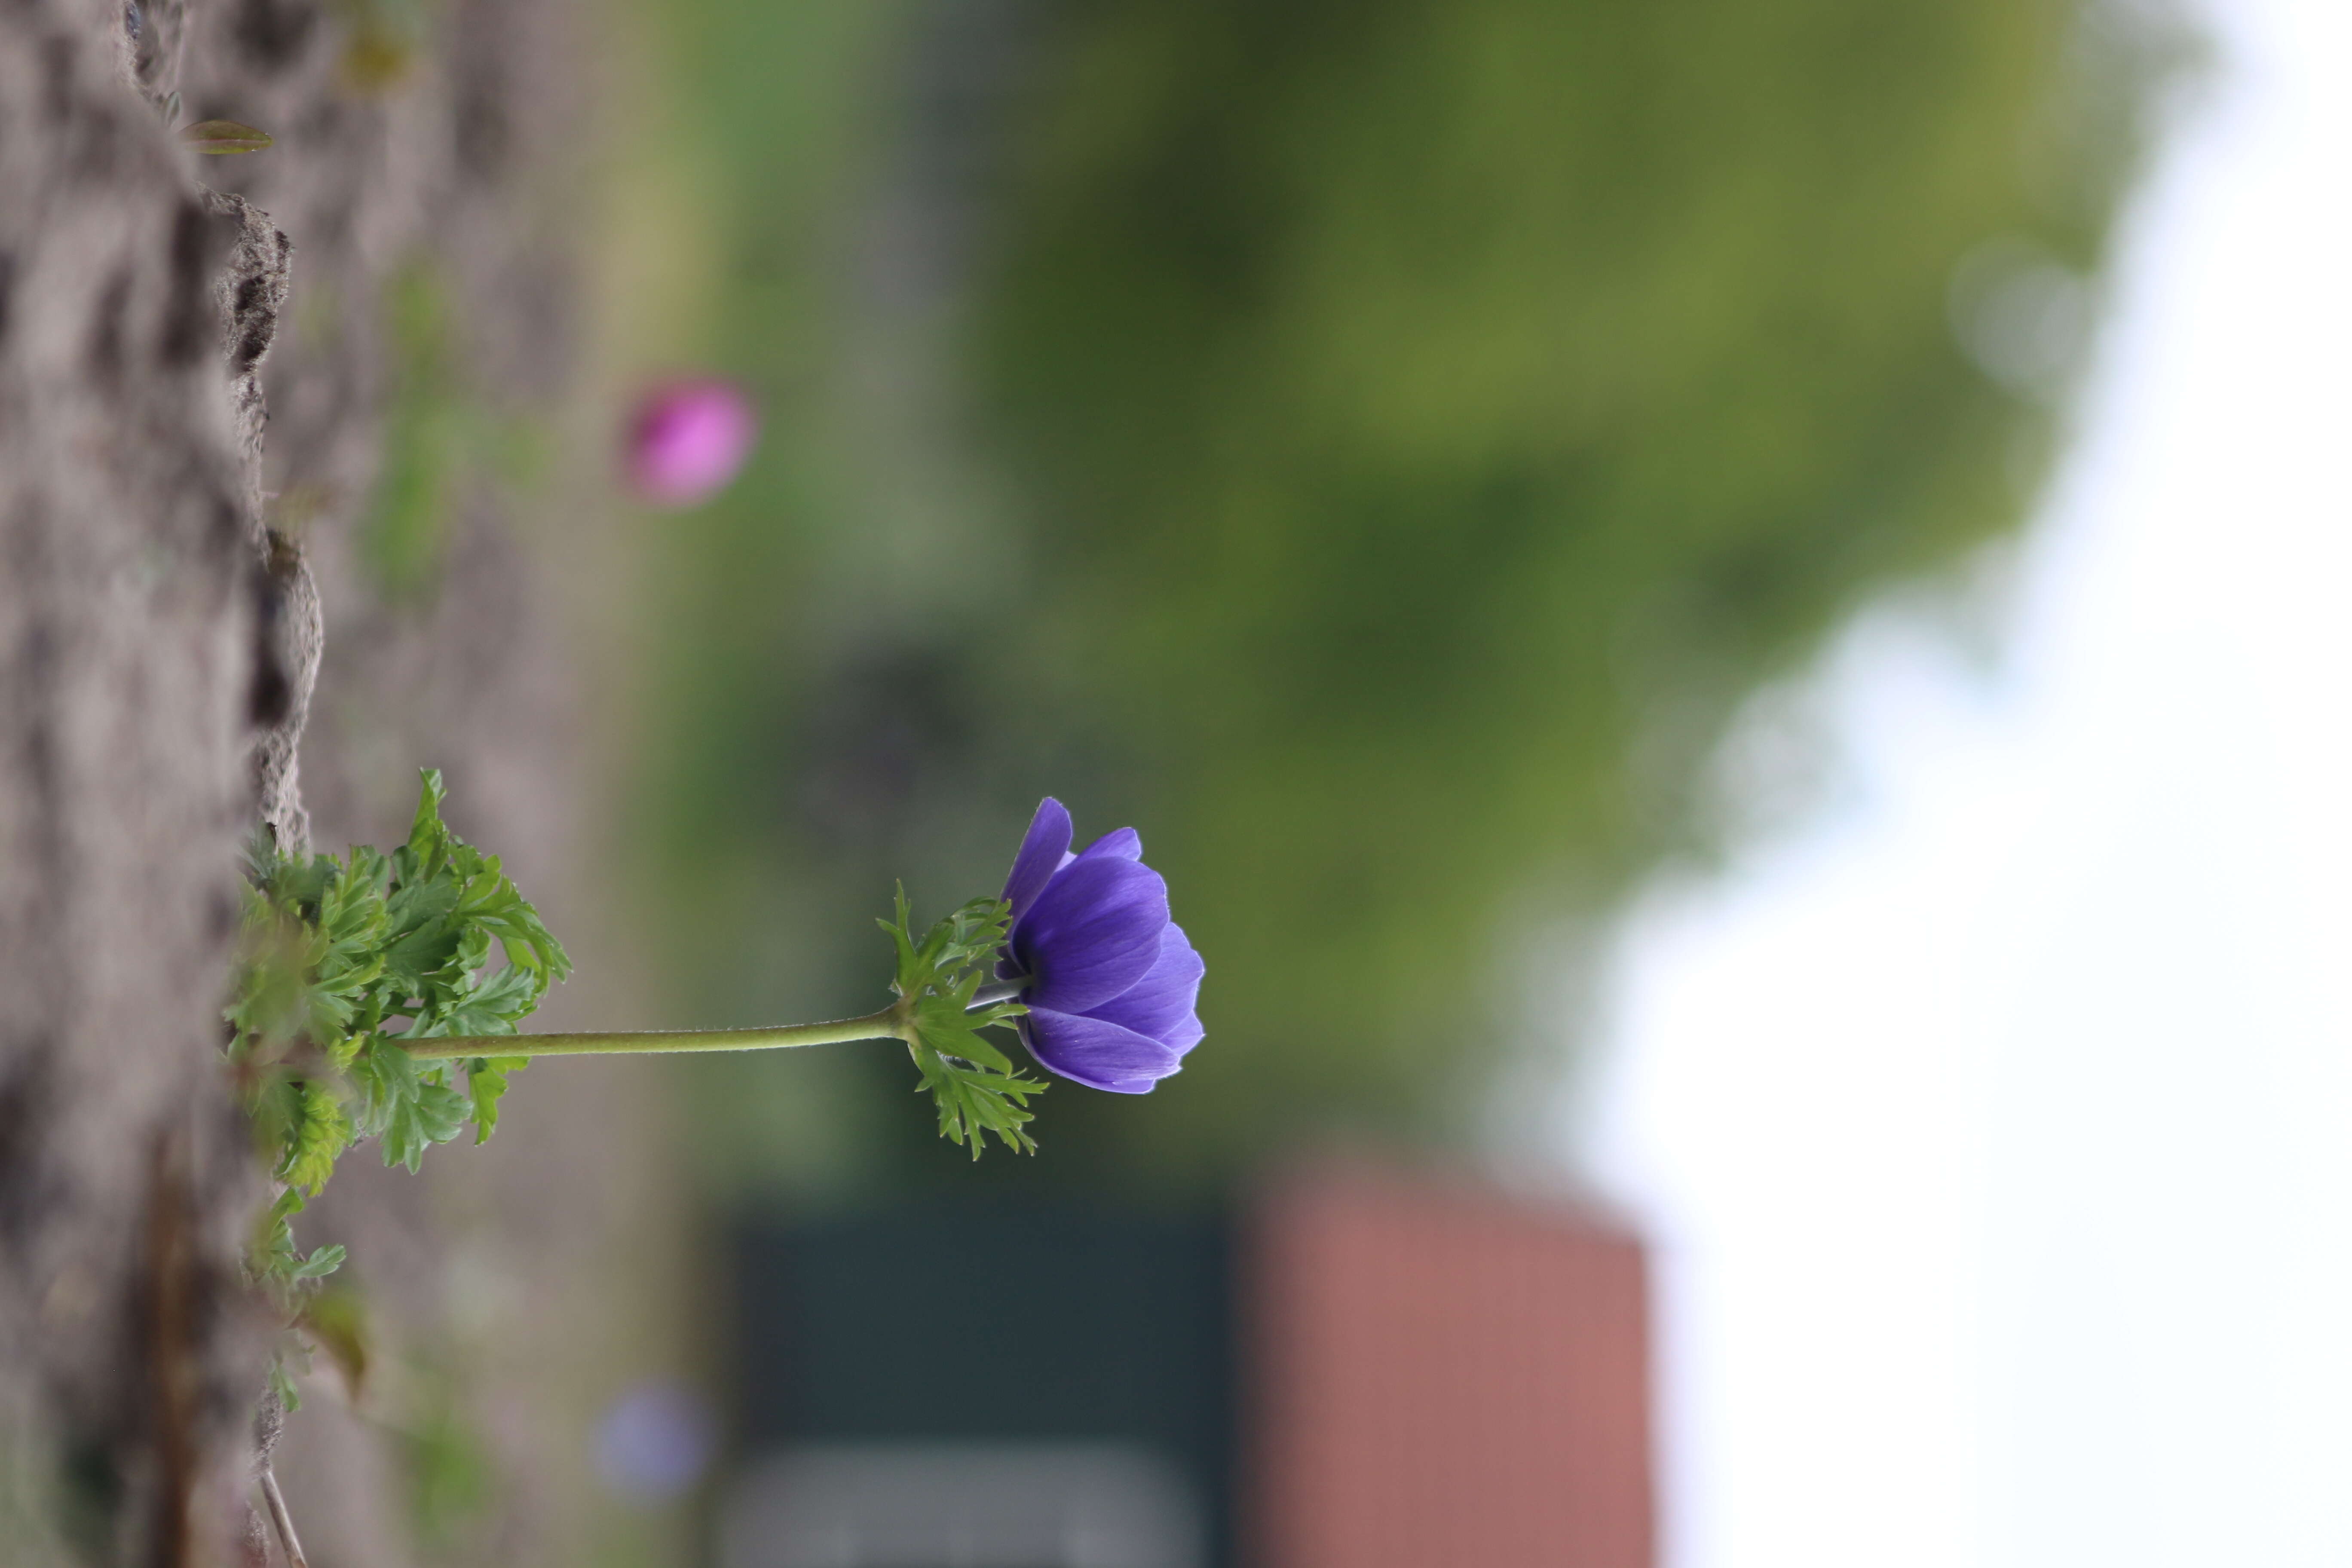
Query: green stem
x=887, y=1024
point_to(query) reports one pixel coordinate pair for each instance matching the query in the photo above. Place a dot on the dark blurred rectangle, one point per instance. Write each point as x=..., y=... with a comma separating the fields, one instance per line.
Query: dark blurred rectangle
x=973, y=1331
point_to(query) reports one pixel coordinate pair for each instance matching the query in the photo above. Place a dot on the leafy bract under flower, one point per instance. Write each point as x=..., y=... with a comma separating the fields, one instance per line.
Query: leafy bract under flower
x=973, y=1083
x=1111, y=982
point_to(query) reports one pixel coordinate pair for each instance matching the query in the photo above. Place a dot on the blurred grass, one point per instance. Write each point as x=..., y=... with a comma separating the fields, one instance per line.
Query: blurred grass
x=440, y=439
x=1376, y=449
x=404, y=535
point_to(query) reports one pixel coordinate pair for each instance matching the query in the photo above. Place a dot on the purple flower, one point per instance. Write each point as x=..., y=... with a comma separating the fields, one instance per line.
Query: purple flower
x=1111, y=981
x=687, y=440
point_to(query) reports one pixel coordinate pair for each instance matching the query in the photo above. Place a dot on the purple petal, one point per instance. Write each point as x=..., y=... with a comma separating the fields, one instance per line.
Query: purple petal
x=1045, y=849
x=1092, y=933
x=1097, y=1052
x=1161, y=1003
x=1125, y=843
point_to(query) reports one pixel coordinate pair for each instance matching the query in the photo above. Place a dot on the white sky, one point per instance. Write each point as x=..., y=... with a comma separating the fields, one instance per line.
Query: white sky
x=1996, y=1128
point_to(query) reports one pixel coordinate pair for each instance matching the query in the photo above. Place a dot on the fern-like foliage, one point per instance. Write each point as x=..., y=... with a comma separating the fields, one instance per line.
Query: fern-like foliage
x=341, y=955
x=972, y=1082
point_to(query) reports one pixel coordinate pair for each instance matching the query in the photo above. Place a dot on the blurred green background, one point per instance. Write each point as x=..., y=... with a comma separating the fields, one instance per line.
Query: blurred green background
x=1377, y=451
x=1373, y=449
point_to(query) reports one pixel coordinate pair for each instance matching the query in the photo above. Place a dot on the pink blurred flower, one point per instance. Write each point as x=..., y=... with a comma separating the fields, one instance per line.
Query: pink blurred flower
x=687, y=440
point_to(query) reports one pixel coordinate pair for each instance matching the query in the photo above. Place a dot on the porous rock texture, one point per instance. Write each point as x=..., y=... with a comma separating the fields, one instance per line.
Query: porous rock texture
x=160, y=638
x=129, y=1356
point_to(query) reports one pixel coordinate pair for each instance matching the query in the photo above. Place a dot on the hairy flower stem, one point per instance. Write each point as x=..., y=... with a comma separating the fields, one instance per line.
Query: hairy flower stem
x=892, y=1023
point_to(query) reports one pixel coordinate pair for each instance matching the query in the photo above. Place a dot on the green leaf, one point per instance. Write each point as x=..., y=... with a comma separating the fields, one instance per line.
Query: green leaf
x=273, y=1245
x=319, y=1264
x=387, y=1078
x=425, y=938
x=224, y=136
x=434, y=1115
x=972, y=1101
x=491, y=1007
x=947, y=1028
x=427, y=835
x=493, y=905
x=277, y=1109
x=281, y=1383
x=325, y=1131
x=486, y=1082
x=909, y=980
x=972, y=1082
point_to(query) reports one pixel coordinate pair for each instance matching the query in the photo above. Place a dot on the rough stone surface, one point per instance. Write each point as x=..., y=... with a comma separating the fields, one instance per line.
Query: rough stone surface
x=437, y=193
x=174, y=542
x=128, y=1353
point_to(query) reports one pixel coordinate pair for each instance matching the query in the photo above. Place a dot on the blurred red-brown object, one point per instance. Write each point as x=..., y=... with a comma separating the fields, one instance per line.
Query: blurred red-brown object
x=1445, y=1376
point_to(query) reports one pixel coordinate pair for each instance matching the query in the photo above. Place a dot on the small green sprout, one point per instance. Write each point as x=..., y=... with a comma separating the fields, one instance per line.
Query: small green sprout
x=221, y=136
